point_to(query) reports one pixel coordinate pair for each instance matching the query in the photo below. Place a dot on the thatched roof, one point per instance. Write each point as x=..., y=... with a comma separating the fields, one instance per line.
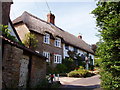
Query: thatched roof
x=40, y=26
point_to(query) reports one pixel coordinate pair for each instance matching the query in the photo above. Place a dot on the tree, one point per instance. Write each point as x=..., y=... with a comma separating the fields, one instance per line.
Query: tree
x=30, y=41
x=108, y=22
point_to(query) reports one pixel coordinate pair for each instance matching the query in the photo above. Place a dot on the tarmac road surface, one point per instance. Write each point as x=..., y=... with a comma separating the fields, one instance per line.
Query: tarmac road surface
x=90, y=83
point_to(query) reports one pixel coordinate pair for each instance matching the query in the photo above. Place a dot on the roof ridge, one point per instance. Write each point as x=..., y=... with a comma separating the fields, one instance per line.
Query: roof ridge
x=60, y=31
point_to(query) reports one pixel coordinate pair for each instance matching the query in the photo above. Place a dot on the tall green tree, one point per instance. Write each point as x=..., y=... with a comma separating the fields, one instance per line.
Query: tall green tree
x=107, y=16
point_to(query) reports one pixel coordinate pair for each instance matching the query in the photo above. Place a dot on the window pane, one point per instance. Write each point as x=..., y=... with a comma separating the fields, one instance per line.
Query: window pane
x=47, y=38
x=58, y=42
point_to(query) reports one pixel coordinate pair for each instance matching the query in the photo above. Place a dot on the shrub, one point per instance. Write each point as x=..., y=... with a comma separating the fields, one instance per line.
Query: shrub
x=45, y=84
x=60, y=68
x=69, y=62
x=79, y=73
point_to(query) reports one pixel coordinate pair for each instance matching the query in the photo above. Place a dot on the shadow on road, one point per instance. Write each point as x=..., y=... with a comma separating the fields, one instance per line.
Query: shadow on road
x=73, y=87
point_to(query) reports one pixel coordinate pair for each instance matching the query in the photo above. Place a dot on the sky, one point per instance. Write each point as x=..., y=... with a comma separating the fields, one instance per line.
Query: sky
x=73, y=17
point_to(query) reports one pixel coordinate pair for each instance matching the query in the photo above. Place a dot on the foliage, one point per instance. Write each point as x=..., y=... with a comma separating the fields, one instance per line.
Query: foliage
x=30, y=41
x=108, y=22
x=73, y=61
x=6, y=32
x=49, y=69
x=98, y=62
x=69, y=62
x=60, y=68
x=45, y=84
x=80, y=72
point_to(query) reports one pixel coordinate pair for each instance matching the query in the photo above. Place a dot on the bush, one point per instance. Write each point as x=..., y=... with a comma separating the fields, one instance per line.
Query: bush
x=69, y=62
x=45, y=84
x=81, y=72
x=91, y=67
x=60, y=68
x=49, y=70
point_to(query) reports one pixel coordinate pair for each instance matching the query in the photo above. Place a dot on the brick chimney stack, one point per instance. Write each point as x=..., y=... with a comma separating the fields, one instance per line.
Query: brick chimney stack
x=80, y=36
x=50, y=18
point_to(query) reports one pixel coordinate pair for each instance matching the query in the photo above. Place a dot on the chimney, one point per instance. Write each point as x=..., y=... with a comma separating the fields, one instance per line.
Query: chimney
x=50, y=18
x=80, y=36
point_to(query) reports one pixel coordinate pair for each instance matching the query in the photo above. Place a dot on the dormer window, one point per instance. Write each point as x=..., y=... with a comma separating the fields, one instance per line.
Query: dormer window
x=58, y=42
x=47, y=38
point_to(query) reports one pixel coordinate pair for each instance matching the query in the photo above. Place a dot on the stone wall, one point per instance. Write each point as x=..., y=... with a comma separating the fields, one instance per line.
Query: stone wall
x=15, y=67
x=38, y=74
x=48, y=48
x=11, y=65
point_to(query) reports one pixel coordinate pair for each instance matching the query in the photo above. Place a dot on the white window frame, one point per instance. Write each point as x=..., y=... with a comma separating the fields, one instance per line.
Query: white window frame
x=57, y=58
x=47, y=55
x=47, y=38
x=57, y=42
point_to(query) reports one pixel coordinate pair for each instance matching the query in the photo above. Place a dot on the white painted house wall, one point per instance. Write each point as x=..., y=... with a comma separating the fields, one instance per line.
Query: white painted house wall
x=65, y=54
x=92, y=56
x=71, y=48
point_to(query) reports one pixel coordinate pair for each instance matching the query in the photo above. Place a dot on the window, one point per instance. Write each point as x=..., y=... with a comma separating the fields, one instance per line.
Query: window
x=47, y=55
x=58, y=42
x=57, y=58
x=47, y=38
x=66, y=47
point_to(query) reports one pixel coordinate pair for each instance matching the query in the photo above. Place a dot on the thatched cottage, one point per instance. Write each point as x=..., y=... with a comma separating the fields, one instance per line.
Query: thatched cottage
x=54, y=42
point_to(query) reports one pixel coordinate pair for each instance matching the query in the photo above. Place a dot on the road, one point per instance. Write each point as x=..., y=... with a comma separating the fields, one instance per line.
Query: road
x=90, y=83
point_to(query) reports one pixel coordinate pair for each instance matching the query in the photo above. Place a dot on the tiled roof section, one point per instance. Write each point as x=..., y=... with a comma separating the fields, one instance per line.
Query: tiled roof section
x=40, y=26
